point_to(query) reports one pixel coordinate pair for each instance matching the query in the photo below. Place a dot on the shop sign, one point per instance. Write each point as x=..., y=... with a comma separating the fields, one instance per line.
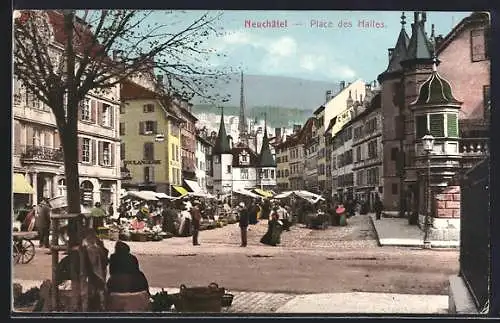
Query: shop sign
x=142, y=162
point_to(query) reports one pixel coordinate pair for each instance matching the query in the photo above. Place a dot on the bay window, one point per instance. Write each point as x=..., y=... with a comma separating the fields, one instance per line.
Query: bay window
x=439, y=124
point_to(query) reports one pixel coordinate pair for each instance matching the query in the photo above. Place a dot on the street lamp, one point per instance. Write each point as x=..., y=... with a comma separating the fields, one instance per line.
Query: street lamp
x=428, y=145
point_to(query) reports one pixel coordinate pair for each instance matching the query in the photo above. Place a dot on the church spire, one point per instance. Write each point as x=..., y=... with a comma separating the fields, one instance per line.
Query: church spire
x=242, y=122
x=222, y=142
x=266, y=158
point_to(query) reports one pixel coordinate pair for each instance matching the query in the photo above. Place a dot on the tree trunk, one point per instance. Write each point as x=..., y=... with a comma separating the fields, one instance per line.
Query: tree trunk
x=69, y=142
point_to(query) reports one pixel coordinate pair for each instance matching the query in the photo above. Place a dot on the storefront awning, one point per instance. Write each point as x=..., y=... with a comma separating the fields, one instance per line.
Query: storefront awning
x=263, y=192
x=193, y=186
x=181, y=190
x=20, y=185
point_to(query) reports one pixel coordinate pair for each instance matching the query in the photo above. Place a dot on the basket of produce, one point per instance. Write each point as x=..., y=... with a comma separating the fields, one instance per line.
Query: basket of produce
x=227, y=300
x=200, y=299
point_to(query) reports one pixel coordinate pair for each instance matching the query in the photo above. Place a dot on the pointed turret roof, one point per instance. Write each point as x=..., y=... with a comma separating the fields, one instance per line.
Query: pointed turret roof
x=419, y=48
x=266, y=158
x=222, y=141
x=400, y=50
x=435, y=90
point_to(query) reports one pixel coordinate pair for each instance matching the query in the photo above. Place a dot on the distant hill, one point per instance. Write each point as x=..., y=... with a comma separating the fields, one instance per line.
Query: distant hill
x=277, y=116
x=275, y=91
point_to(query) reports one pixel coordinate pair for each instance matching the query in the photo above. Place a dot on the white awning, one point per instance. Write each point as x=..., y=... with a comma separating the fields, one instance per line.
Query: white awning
x=283, y=195
x=247, y=193
x=143, y=195
x=202, y=195
x=164, y=196
x=193, y=186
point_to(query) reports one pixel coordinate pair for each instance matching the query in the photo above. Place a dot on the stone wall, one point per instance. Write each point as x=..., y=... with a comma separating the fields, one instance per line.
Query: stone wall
x=447, y=203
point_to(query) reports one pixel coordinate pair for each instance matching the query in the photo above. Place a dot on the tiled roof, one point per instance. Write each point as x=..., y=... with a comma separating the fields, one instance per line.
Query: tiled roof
x=222, y=142
x=133, y=91
x=266, y=159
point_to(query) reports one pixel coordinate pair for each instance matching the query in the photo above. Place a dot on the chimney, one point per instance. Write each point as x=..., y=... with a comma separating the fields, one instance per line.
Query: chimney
x=277, y=133
x=374, y=84
x=342, y=85
x=328, y=95
x=391, y=52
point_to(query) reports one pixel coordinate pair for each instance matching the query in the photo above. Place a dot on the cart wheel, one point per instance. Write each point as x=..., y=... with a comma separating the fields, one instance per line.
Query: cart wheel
x=15, y=252
x=26, y=252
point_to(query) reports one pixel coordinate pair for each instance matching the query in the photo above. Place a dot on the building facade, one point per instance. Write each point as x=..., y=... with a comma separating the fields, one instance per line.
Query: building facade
x=244, y=167
x=150, y=140
x=282, y=150
x=222, y=161
x=203, y=161
x=38, y=155
x=188, y=140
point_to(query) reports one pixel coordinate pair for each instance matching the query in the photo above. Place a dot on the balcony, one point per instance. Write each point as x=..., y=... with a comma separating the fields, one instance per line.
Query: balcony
x=474, y=147
x=37, y=154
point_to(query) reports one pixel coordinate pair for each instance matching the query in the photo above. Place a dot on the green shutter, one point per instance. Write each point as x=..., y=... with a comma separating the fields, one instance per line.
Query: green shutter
x=452, y=125
x=421, y=126
x=436, y=124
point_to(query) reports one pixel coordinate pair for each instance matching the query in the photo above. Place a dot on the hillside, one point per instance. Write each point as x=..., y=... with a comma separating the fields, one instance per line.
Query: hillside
x=275, y=91
x=277, y=116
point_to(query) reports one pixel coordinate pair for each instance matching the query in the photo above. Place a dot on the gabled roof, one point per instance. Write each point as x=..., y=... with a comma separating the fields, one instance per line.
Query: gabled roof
x=266, y=158
x=237, y=151
x=133, y=91
x=474, y=18
x=221, y=145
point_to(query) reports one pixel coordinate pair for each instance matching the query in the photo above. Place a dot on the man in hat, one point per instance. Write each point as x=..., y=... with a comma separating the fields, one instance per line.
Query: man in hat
x=44, y=223
x=244, y=220
x=196, y=219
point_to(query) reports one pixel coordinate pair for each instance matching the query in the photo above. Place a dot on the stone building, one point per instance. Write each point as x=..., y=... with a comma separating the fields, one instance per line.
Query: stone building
x=37, y=152
x=188, y=140
x=203, y=160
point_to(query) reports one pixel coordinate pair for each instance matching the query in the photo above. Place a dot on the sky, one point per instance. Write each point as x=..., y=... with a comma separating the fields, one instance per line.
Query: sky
x=315, y=45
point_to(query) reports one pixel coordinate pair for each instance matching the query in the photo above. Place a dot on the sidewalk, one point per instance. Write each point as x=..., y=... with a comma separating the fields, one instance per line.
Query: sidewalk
x=361, y=303
x=397, y=232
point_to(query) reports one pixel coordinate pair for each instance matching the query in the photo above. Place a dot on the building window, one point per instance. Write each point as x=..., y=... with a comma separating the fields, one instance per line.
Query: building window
x=149, y=172
x=122, y=151
x=394, y=189
x=478, y=45
x=122, y=108
x=394, y=154
x=147, y=127
x=286, y=173
x=85, y=106
x=122, y=128
x=106, y=115
x=266, y=173
x=486, y=101
x=148, y=108
x=86, y=150
x=149, y=151
x=229, y=169
x=176, y=153
x=61, y=187
x=432, y=122
x=105, y=152
x=272, y=173
x=358, y=154
x=244, y=173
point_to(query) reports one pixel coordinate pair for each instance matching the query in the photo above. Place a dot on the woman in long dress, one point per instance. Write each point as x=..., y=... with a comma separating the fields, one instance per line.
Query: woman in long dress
x=274, y=228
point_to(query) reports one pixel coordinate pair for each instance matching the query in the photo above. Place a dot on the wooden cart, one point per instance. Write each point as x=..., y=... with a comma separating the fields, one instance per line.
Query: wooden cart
x=23, y=249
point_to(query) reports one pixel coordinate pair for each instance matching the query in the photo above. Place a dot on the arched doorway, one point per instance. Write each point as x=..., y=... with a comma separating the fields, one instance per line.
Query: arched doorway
x=87, y=193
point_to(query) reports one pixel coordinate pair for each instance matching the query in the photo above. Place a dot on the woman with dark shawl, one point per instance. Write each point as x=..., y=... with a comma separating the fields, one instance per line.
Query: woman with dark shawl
x=125, y=275
x=274, y=228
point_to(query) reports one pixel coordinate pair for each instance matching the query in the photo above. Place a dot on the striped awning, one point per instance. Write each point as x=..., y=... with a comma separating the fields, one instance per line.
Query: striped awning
x=20, y=185
x=181, y=190
x=263, y=193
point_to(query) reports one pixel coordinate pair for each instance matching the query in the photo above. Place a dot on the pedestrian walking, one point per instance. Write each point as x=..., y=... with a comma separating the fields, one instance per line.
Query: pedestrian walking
x=44, y=224
x=196, y=219
x=378, y=206
x=244, y=221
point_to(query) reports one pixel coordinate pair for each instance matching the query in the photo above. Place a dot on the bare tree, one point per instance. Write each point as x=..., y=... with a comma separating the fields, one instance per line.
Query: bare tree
x=60, y=56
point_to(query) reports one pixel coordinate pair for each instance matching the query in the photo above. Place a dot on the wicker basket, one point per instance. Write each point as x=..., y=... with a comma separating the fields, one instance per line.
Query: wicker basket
x=200, y=299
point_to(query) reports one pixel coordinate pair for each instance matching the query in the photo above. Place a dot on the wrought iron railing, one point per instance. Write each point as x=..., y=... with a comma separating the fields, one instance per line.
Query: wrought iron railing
x=42, y=153
x=475, y=232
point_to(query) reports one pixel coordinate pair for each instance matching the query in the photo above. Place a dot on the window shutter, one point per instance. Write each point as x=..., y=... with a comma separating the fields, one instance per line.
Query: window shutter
x=93, y=107
x=80, y=149
x=100, y=111
x=122, y=128
x=101, y=153
x=29, y=136
x=151, y=174
x=80, y=109
x=93, y=151
x=452, y=125
x=155, y=127
x=17, y=137
x=122, y=151
x=145, y=108
x=421, y=126
x=57, y=140
x=112, y=154
x=436, y=123
x=111, y=116
x=141, y=127
x=146, y=174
